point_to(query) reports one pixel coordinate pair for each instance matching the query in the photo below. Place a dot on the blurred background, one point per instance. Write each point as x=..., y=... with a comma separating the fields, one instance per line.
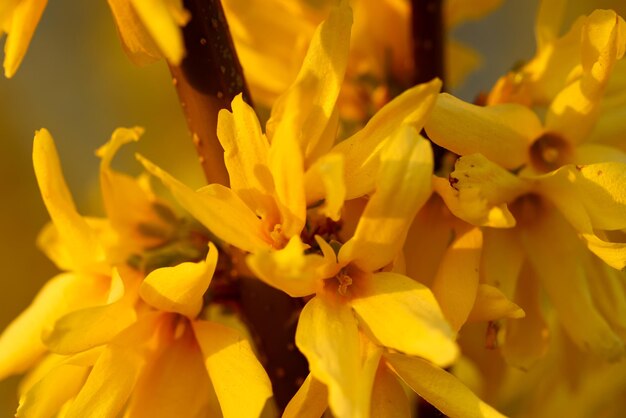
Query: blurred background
x=77, y=82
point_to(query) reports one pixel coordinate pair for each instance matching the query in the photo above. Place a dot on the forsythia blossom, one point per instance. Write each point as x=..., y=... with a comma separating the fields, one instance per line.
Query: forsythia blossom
x=469, y=256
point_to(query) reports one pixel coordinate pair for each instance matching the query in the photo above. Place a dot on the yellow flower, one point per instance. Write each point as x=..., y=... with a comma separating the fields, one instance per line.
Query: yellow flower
x=150, y=29
x=169, y=362
x=92, y=254
x=271, y=40
x=561, y=189
x=74, y=245
x=278, y=180
x=382, y=374
x=275, y=176
x=18, y=19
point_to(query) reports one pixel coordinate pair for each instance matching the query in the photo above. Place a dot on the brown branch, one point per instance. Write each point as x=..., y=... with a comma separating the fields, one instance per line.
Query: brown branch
x=207, y=80
x=428, y=40
x=428, y=33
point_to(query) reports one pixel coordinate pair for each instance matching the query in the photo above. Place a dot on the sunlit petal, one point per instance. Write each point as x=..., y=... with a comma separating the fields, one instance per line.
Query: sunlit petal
x=548, y=242
x=20, y=343
x=310, y=401
x=288, y=269
x=219, y=209
x=180, y=288
x=456, y=284
x=241, y=384
x=502, y=133
x=362, y=150
x=404, y=315
x=440, y=388
x=328, y=337
x=402, y=187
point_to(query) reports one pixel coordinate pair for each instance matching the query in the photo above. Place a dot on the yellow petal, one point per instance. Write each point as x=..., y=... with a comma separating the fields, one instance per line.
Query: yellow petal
x=310, y=401
x=502, y=258
x=428, y=238
x=478, y=191
x=46, y=397
x=245, y=155
x=403, y=186
x=129, y=204
x=288, y=269
x=328, y=337
x=115, y=373
x=325, y=181
x=607, y=288
x=87, y=328
x=361, y=151
x=287, y=167
x=219, y=209
x=20, y=343
x=80, y=241
x=526, y=340
x=321, y=75
x=590, y=196
x=590, y=153
x=456, y=283
x=163, y=19
x=276, y=50
x=502, y=133
x=84, y=329
x=574, y=111
x=491, y=304
x=440, y=388
x=548, y=242
x=180, y=288
x=174, y=383
x=23, y=22
x=241, y=384
x=388, y=397
x=137, y=42
x=612, y=253
x=404, y=315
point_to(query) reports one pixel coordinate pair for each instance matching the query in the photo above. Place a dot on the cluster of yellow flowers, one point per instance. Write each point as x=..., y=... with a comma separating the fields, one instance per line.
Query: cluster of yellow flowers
x=495, y=273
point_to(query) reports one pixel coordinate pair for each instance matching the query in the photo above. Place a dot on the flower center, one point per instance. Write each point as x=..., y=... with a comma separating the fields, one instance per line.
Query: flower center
x=549, y=152
x=345, y=281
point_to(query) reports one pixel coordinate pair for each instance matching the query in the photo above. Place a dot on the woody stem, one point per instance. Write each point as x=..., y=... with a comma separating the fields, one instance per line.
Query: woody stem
x=428, y=34
x=207, y=80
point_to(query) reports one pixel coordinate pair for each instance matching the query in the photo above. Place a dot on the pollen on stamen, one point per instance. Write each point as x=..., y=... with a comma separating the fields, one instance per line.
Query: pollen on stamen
x=345, y=281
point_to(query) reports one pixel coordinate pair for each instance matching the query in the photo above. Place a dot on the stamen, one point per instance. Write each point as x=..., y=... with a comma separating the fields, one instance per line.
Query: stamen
x=345, y=281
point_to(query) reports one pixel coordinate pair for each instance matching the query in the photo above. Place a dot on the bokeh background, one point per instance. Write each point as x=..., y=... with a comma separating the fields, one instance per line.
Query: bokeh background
x=77, y=82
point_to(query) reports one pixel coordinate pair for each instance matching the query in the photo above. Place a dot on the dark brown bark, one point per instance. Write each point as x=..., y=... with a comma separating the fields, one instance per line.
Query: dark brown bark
x=207, y=80
x=428, y=33
x=428, y=40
